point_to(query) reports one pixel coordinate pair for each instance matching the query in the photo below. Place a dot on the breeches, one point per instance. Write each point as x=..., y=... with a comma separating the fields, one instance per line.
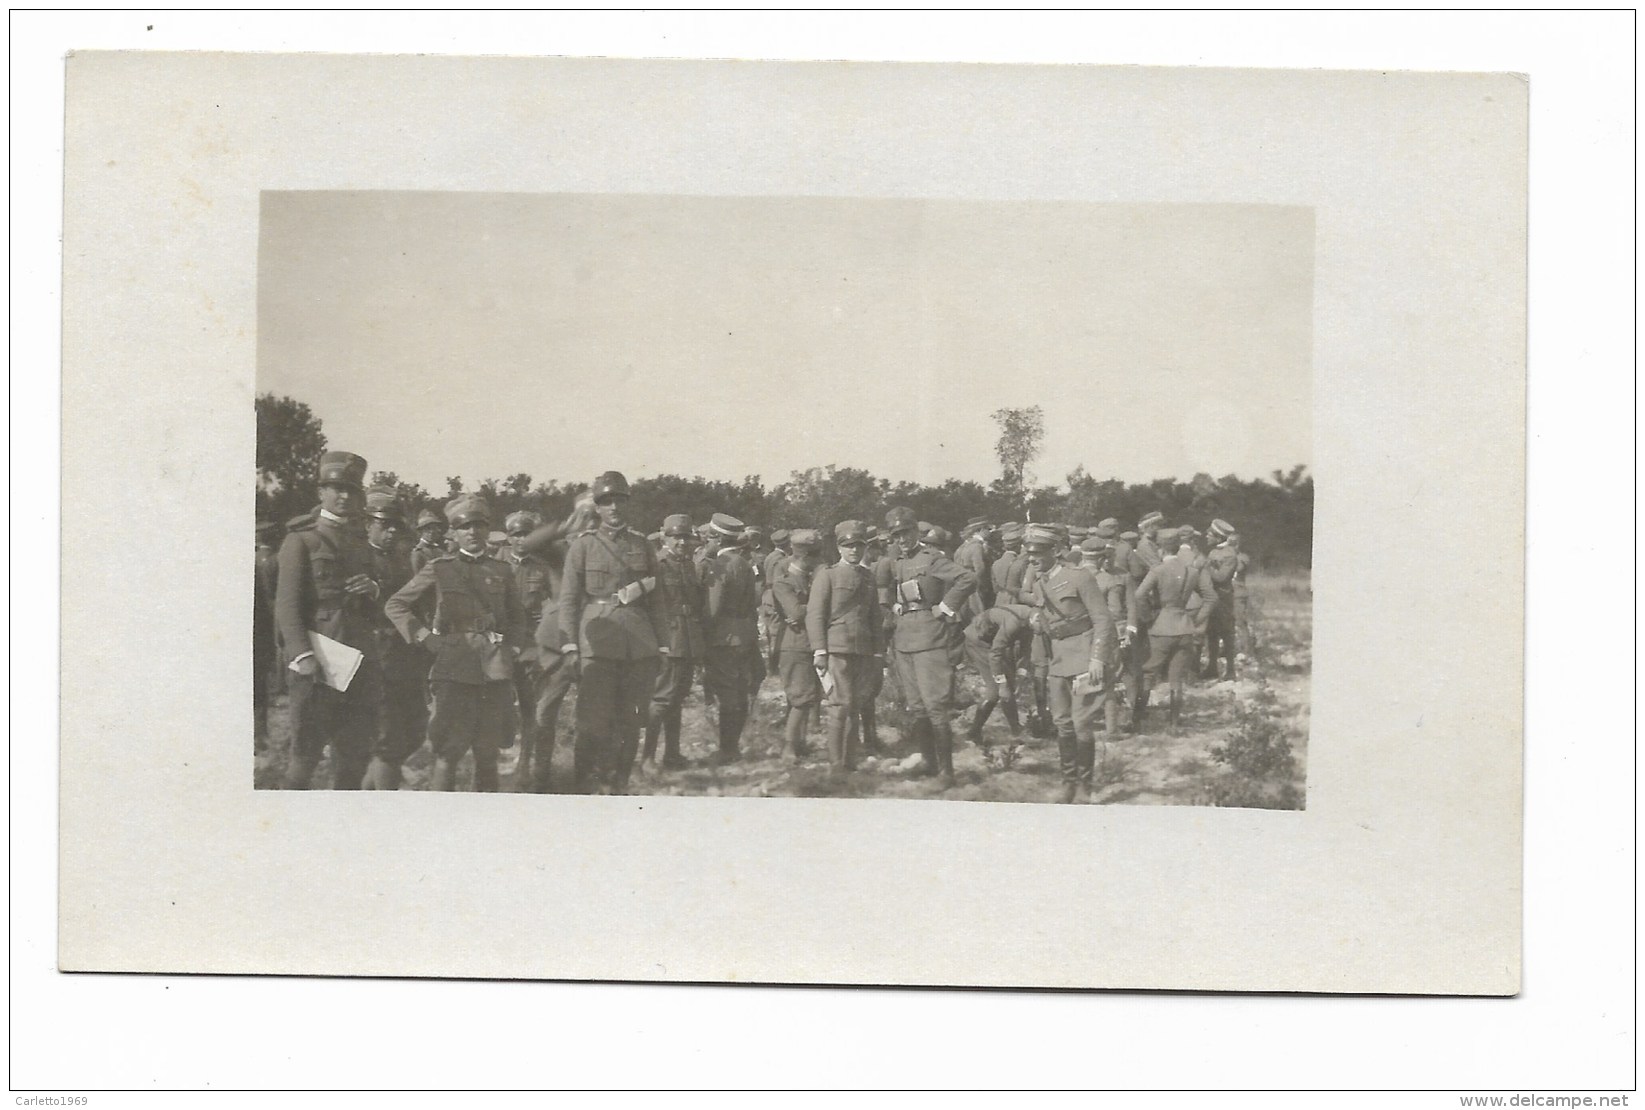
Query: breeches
x=477, y=715
x=1075, y=709
x=800, y=683
x=1170, y=654
x=927, y=680
x=347, y=720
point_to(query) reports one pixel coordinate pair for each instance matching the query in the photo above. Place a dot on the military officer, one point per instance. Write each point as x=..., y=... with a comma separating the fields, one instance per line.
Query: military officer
x=475, y=634
x=862, y=722
x=1039, y=644
x=1074, y=617
x=403, y=721
x=732, y=631
x=556, y=672
x=609, y=618
x=974, y=556
x=925, y=591
x=682, y=598
x=1242, y=602
x=1097, y=558
x=1170, y=589
x=431, y=539
x=1143, y=557
x=534, y=578
x=265, y=577
x=791, y=589
x=1010, y=536
x=771, y=622
x=326, y=587
x=842, y=626
x=1223, y=565
x=995, y=641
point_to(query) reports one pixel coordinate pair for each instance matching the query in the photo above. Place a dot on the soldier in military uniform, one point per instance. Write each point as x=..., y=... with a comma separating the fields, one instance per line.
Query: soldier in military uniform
x=1170, y=589
x=974, y=556
x=1097, y=558
x=1143, y=557
x=1027, y=572
x=476, y=633
x=1010, y=538
x=732, y=630
x=556, y=672
x=609, y=616
x=681, y=600
x=431, y=539
x=326, y=587
x=842, y=626
x=771, y=622
x=995, y=641
x=791, y=589
x=1222, y=564
x=925, y=591
x=1074, y=616
x=532, y=576
x=264, y=652
x=862, y=722
x=403, y=723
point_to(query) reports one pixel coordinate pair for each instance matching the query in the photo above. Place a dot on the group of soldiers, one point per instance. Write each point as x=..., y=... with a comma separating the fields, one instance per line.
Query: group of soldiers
x=467, y=641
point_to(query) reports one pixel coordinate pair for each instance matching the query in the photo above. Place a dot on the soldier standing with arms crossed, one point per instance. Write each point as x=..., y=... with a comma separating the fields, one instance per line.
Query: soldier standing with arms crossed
x=842, y=624
x=403, y=723
x=608, y=617
x=791, y=590
x=925, y=590
x=1074, y=616
x=478, y=630
x=681, y=600
x=732, y=630
x=325, y=586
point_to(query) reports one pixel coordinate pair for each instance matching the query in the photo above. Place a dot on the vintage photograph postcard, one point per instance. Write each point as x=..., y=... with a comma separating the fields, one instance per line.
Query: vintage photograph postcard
x=682, y=483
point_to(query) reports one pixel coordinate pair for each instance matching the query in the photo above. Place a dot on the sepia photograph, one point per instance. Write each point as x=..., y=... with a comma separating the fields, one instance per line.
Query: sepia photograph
x=775, y=497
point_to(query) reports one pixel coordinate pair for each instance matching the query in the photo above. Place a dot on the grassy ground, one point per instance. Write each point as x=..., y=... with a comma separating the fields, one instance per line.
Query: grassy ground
x=1243, y=742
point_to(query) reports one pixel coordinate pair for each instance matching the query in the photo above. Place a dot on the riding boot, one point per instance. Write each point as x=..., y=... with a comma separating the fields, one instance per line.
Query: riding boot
x=444, y=775
x=927, y=741
x=870, y=733
x=1085, y=763
x=300, y=773
x=1010, y=711
x=839, y=740
x=945, y=754
x=1068, y=760
x=672, y=759
x=653, y=728
x=984, y=711
x=1176, y=711
x=792, y=732
x=1111, y=716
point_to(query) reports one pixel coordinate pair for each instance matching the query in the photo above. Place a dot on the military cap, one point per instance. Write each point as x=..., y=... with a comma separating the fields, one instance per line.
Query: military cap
x=900, y=520
x=1150, y=520
x=384, y=504
x=524, y=520
x=779, y=536
x=1039, y=535
x=924, y=526
x=938, y=535
x=1130, y=537
x=1220, y=529
x=427, y=517
x=609, y=484
x=1059, y=530
x=850, y=531
x=804, y=537
x=1168, y=536
x=468, y=509
x=728, y=526
x=1078, y=531
x=339, y=468
x=679, y=524
x=1109, y=528
x=1091, y=545
x=1011, y=531
x=978, y=522
x=870, y=533
x=496, y=539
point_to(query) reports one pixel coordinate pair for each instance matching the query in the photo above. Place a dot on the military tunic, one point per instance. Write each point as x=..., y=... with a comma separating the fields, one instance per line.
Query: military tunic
x=681, y=600
x=732, y=631
x=791, y=590
x=1173, y=587
x=913, y=588
x=404, y=721
x=1075, y=618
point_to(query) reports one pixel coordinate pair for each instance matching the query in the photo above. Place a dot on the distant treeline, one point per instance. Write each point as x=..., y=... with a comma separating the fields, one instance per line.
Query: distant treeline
x=1275, y=516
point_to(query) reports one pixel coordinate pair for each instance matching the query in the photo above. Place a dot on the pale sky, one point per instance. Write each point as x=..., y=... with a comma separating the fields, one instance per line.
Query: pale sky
x=482, y=334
